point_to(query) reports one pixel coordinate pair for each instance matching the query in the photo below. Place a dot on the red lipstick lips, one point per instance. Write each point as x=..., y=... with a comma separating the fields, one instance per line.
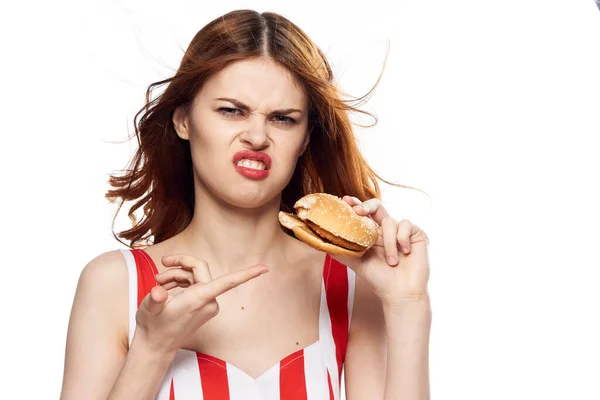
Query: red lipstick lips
x=253, y=156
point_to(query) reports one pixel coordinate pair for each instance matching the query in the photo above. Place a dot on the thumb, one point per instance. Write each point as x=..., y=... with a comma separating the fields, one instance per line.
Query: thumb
x=155, y=300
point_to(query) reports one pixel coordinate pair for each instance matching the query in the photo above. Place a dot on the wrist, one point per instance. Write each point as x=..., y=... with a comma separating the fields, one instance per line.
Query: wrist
x=140, y=347
x=412, y=306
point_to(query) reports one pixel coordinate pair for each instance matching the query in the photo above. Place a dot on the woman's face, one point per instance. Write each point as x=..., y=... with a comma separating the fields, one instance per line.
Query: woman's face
x=247, y=128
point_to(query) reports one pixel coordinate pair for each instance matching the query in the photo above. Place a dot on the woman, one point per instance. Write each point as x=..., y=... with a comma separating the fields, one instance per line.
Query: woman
x=250, y=123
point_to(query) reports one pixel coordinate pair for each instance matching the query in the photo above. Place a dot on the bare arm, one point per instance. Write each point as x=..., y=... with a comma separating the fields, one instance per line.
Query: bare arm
x=388, y=350
x=408, y=351
x=97, y=349
x=142, y=374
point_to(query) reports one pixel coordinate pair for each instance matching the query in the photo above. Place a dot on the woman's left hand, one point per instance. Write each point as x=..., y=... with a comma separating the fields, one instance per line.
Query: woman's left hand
x=397, y=266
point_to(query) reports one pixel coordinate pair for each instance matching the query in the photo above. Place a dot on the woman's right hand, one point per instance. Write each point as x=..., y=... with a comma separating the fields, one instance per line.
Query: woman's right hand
x=184, y=301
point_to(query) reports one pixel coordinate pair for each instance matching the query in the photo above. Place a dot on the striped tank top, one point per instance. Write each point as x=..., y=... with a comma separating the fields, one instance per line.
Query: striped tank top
x=311, y=373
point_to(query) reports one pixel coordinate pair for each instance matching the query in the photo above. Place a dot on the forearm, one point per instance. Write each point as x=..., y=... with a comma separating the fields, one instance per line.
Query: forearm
x=142, y=374
x=407, y=330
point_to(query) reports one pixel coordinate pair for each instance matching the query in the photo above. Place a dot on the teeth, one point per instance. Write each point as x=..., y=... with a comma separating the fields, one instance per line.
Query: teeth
x=259, y=165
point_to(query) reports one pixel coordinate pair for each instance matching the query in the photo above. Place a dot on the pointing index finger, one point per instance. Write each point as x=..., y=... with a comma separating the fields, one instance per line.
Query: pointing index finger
x=224, y=283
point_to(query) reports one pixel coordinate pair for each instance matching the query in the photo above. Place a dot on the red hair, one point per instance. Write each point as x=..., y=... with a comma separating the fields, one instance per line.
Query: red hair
x=159, y=177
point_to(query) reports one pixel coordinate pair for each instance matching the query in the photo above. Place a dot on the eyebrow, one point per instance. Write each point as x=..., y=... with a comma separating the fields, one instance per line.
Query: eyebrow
x=244, y=107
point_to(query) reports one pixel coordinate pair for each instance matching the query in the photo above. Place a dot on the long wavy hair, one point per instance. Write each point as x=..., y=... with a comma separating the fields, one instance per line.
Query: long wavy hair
x=159, y=177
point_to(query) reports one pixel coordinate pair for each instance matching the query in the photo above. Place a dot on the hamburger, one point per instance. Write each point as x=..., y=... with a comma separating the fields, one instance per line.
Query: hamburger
x=327, y=223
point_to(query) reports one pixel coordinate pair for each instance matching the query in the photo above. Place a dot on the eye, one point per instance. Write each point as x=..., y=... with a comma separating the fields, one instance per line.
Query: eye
x=280, y=119
x=227, y=111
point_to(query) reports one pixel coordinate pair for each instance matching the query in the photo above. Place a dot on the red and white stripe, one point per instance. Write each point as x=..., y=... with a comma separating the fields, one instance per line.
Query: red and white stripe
x=311, y=373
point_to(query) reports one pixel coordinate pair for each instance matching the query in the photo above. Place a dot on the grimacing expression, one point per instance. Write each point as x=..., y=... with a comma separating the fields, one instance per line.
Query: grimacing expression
x=255, y=105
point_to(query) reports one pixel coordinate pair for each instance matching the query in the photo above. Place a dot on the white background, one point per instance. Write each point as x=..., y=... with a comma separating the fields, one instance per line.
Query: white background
x=490, y=107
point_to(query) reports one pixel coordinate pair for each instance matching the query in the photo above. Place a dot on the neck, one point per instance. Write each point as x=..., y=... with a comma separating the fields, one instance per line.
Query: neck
x=231, y=238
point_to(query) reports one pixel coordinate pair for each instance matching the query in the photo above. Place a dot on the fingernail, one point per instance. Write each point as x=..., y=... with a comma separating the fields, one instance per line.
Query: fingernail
x=405, y=250
x=392, y=260
x=264, y=271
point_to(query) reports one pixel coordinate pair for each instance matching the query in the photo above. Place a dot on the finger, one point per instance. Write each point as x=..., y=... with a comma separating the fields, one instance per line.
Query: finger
x=172, y=285
x=353, y=201
x=176, y=274
x=224, y=283
x=373, y=208
x=389, y=228
x=176, y=281
x=155, y=301
x=405, y=230
x=198, y=267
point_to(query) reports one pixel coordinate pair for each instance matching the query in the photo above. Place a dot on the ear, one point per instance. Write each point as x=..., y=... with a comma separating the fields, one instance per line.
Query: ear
x=181, y=122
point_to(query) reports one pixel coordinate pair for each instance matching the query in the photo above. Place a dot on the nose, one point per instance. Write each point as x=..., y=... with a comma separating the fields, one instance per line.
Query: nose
x=255, y=135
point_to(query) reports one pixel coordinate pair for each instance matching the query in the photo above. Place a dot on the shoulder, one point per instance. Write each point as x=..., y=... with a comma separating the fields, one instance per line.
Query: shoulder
x=97, y=343
x=103, y=286
x=110, y=261
x=106, y=269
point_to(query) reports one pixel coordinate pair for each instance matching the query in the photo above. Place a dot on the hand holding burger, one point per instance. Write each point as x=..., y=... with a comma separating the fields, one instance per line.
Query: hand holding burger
x=397, y=263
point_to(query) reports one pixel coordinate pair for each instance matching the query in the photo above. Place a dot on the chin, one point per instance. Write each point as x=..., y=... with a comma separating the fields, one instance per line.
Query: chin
x=244, y=193
x=249, y=195
x=248, y=199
